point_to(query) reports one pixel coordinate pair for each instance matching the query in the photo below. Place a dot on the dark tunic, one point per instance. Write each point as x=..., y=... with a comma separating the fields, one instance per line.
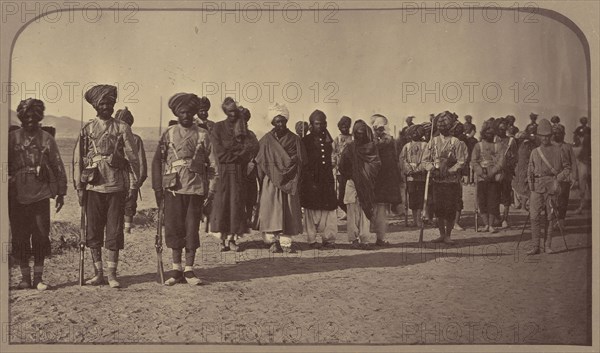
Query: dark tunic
x=229, y=205
x=317, y=187
x=387, y=185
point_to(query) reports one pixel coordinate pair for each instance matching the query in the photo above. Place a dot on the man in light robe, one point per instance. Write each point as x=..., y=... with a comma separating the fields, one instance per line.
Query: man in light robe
x=279, y=161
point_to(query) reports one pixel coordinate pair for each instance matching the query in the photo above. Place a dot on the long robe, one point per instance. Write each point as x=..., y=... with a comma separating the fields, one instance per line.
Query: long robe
x=318, y=184
x=228, y=213
x=387, y=185
x=279, y=162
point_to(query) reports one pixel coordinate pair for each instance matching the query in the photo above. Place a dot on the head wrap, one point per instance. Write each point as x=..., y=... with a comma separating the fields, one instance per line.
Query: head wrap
x=125, y=116
x=317, y=115
x=95, y=94
x=458, y=129
x=183, y=99
x=489, y=124
x=30, y=104
x=301, y=128
x=203, y=104
x=533, y=115
x=278, y=109
x=558, y=129
x=228, y=101
x=555, y=119
x=544, y=128
x=499, y=121
x=244, y=113
x=582, y=119
x=345, y=120
x=445, y=119
x=468, y=118
x=359, y=124
x=413, y=132
x=378, y=120
x=510, y=119
x=409, y=118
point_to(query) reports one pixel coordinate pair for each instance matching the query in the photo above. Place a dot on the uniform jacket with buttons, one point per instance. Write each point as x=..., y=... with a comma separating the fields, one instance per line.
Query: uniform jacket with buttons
x=317, y=181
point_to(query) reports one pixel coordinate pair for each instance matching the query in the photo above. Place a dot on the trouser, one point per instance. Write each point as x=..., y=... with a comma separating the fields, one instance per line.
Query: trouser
x=30, y=228
x=105, y=210
x=416, y=194
x=358, y=224
x=320, y=221
x=538, y=202
x=131, y=206
x=488, y=197
x=182, y=221
x=341, y=191
x=380, y=220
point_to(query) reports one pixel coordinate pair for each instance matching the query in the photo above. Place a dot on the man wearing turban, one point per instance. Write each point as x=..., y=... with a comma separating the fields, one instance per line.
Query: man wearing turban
x=558, y=136
x=387, y=185
x=582, y=145
x=445, y=156
x=203, y=107
x=506, y=147
x=520, y=183
x=36, y=174
x=183, y=177
x=411, y=157
x=234, y=147
x=339, y=143
x=317, y=194
x=360, y=164
x=302, y=128
x=106, y=174
x=280, y=159
x=548, y=167
x=131, y=204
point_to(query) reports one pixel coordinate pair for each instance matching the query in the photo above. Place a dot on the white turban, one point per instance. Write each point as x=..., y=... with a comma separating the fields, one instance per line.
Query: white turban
x=379, y=120
x=279, y=109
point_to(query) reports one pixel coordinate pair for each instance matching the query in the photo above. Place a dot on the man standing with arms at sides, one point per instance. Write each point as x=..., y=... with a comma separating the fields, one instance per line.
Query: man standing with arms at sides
x=183, y=175
x=548, y=167
x=317, y=194
x=339, y=143
x=279, y=161
x=507, y=148
x=360, y=164
x=105, y=179
x=533, y=117
x=558, y=137
x=36, y=174
x=125, y=116
x=469, y=128
x=583, y=150
x=487, y=165
x=234, y=147
x=445, y=156
x=411, y=156
x=387, y=185
x=203, y=107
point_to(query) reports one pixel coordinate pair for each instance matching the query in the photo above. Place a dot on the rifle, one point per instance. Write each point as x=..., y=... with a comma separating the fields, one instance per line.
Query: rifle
x=83, y=150
x=476, y=208
x=158, y=239
x=424, y=211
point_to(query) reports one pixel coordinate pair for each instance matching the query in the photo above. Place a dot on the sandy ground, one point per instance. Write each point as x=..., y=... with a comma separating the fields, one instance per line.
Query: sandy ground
x=480, y=290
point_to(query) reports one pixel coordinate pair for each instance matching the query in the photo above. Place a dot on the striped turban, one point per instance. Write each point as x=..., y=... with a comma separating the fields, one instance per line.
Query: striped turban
x=125, y=116
x=184, y=99
x=30, y=104
x=97, y=93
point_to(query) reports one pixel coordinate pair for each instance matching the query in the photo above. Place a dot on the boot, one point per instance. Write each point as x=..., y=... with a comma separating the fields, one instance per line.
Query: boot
x=98, y=278
x=25, y=278
x=111, y=263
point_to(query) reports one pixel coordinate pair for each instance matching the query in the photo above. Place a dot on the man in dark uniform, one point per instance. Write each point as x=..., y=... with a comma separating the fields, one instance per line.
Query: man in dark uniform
x=317, y=185
x=234, y=147
x=131, y=204
x=533, y=124
x=36, y=174
x=469, y=128
x=582, y=145
x=507, y=147
x=110, y=171
x=183, y=175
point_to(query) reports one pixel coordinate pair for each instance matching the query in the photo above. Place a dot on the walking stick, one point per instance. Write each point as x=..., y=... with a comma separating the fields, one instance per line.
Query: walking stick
x=83, y=221
x=424, y=211
x=523, y=230
x=159, y=227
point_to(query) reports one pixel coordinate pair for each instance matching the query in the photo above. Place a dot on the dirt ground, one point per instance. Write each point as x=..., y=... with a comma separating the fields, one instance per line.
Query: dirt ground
x=481, y=290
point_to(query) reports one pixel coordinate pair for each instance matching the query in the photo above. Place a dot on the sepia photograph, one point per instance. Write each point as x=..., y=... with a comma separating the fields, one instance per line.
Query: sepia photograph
x=299, y=175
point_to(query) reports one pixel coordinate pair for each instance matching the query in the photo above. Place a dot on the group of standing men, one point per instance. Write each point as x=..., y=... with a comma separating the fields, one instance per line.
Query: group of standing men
x=283, y=185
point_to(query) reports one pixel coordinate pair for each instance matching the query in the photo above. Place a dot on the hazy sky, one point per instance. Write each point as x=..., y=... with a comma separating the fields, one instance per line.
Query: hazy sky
x=368, y=62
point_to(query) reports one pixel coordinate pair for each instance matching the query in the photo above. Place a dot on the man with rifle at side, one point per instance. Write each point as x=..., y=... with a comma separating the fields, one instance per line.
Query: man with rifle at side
x=105, y=173
x=183, y=175
x=36, y=174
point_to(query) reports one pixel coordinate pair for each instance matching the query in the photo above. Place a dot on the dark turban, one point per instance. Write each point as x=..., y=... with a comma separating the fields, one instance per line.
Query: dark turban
x=555, y=119
x=499, y=121
x=244, y=113
x=317, y=115
x=184, y=99
x=424, y=129
x=30, y=104
x=558, y=129
x=228, y=101
x=95, y=94
x=489, y=124
x=458, y=129
x=345, y=120
x=125, y=116
x=445, y=119
x=203, y=103
x=414, y=131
